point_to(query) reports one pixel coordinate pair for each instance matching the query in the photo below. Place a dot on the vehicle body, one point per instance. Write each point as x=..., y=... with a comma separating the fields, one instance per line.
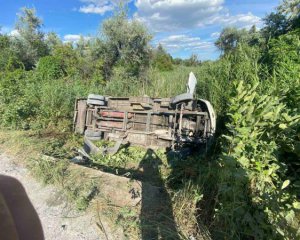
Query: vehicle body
x=149, y=122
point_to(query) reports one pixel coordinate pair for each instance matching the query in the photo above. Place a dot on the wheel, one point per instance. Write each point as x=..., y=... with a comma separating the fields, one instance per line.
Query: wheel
x=96, y=97
x=95, y=102
x=90, y=133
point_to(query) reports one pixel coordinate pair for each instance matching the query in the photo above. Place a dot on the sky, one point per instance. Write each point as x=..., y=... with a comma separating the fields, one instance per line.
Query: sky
x=183, y=27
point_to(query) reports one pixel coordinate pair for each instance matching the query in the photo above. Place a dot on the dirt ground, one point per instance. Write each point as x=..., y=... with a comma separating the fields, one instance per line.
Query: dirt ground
x=59, y=219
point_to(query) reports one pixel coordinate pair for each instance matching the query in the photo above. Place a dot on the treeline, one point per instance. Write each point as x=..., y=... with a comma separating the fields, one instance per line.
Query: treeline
x=41, y=75
x=120, y=43
x=251, y=184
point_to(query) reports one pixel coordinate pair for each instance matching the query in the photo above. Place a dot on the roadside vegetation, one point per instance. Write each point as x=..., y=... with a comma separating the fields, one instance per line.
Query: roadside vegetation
x=246, y=187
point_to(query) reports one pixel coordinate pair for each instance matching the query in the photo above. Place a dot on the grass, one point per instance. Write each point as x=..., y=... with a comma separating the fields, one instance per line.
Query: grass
x=28, y=148
x=46, y=155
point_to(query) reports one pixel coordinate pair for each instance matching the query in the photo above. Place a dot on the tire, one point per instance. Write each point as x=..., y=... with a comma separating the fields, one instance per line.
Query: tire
x=90, y=133
x=95, y=102
x=96, y=97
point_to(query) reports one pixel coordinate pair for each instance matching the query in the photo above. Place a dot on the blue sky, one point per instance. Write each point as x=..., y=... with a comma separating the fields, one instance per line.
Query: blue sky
x=183, y=27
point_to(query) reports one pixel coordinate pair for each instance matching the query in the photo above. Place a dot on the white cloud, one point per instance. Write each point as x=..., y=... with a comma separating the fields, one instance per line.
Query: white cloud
x=4, y=30
x=239, y=20
x=173, y=15
x=97, y=6
x=91, y=8
x=73, y=38
x=177, y=14
x=215, y=35
x=9, y=31
x=184, y=42
x=14, y=33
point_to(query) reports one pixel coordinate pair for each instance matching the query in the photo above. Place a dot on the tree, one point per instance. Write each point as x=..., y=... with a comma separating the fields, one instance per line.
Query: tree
x=82, y=46
x=255, y=37
x=177, y=61
x=29, y=43
x=229, y=38
x=291, y=9
x=4, y=47
x=161, y=59
x=68, y=58
x=192, y=61
x=52, y=40
x=126, y=42
x=8, y=59
x=276, y=24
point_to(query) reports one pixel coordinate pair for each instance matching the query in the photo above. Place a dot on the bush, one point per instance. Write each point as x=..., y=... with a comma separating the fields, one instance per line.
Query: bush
x=29, y=100
x=252, y=179
x=15, y=110
x=68, y=59
x=284, y=63
x=50, y=67
x=122, y=83
x=162, y=60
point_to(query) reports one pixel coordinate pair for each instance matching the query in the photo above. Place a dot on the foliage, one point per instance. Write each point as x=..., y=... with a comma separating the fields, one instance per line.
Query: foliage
x=291, y=8
x=52, y=41
x=230, y=38
x=124, y=158
x=30, y=99
x=252, y=178
x=276, y=24
x=4, y=51
x=28, y=44
x=50, y=67
x=68, y=58
x=284, y=62
x=121, y=83
x=126, y=43
x=192, y=60
x=161, y=59
x=14, y=110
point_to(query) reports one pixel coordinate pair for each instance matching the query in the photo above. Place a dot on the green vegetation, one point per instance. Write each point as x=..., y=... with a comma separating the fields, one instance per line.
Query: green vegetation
x=247, y=187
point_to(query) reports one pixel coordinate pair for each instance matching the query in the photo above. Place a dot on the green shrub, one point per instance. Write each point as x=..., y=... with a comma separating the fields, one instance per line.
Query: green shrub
x=15, y=110
x=49, y=67
x=284, y=62
x=253, y=200
x=69, y=61
x=122, y=83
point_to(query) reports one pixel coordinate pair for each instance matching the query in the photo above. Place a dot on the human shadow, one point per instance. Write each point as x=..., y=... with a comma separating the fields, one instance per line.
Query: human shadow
x=157, y=218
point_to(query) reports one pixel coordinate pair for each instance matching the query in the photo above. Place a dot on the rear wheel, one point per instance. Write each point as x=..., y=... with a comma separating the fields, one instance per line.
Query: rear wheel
x=95, y=102
x=91, y=133
x=96, y=97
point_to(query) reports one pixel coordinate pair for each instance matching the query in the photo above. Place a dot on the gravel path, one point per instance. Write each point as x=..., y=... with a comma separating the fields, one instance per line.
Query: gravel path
x=58, y=218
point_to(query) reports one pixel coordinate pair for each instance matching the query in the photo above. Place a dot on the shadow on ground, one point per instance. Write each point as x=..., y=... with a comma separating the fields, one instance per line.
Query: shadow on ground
x=157, y=219
x=156, y=216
